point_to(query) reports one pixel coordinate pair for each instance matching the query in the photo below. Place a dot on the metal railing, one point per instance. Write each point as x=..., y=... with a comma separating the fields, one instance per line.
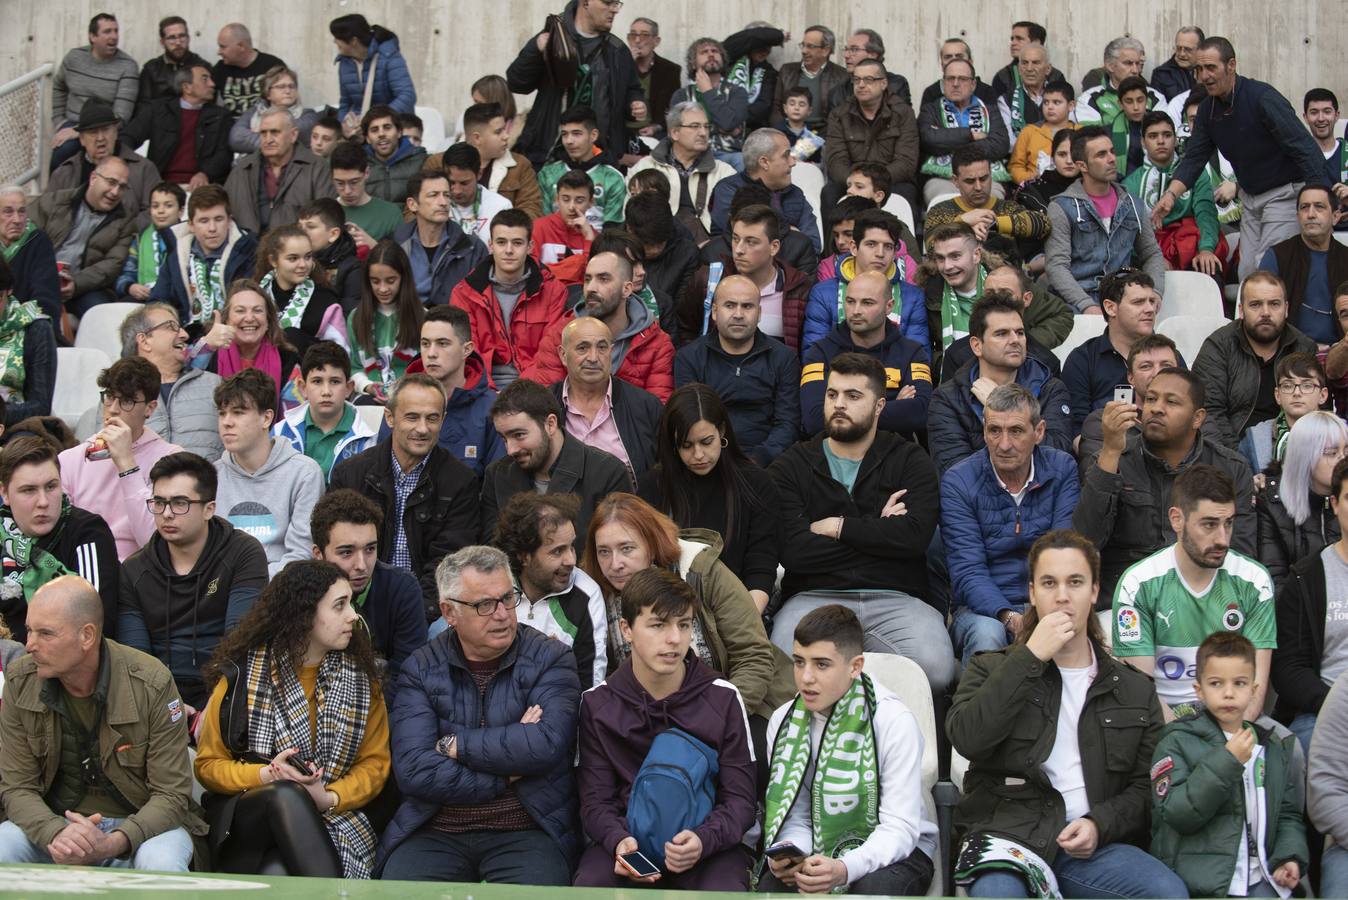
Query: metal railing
x=24, y=128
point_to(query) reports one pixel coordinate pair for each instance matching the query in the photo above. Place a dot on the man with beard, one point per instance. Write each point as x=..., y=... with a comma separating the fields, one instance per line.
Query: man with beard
x=1312, y=265
x=1169, y=602
x=538, y=533
x=1126, y=488
x=156, y=76
x=726, y=104
x=1238, y=362
x=542, y=458
x=858, y=509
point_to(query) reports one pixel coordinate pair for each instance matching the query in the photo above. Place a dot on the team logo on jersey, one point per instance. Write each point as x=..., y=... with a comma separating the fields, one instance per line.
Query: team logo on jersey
x=1130, y=625
x=1233, y=618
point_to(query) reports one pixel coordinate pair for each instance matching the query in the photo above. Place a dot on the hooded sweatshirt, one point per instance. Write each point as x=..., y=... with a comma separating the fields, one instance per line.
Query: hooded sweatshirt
x=642, y=353
x=272, y=504
x=95, y=485
x=180, y=619
x=618, y=723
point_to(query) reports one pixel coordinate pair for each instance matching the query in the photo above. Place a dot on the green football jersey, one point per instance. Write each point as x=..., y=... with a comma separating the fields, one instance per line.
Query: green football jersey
x=1156, y=614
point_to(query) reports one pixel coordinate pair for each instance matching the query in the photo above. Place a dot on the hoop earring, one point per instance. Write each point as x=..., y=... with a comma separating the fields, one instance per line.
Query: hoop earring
x=725, y=442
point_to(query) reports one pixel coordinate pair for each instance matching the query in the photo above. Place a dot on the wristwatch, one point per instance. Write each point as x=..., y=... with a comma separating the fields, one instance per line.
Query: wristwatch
x=445, y=746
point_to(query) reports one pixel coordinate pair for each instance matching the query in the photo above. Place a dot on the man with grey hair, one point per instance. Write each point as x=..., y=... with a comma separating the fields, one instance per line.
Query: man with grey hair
x=239, y=73
x=188, y=133
x=484, y=728
x=951, y=49
x=815, y=72
x=993, y=506
x=99, y=134
x=186, y=413
x=1177, y=74
x=726, y=104
x=29, y=252
x=93, y=746
x=767, y=161
x=690, y=166
x=270, y=187
x=864, y=44
x=1124, y=57
x=659, y=77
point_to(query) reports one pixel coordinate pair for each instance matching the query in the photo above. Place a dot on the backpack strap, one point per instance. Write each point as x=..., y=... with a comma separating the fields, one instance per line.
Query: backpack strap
x=714, y=272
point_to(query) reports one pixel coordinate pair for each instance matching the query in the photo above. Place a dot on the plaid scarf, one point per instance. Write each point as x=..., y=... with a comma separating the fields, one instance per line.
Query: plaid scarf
x=978, y=119
x=299, y=299
x=845, y=791
x=278, y=718
x=955, y=310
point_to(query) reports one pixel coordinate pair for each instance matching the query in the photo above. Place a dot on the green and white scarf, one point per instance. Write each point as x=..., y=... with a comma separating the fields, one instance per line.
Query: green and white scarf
x=16, y=318
x=24, y=562
x=982, y=853
x=205, y=286
x=845, y=794
x=955, y=310
x=292, y=315
x=1017, y=101
x=10, y=251
x=1154, y=181
x=149, y=255
x=743, y=74
x=979, y=120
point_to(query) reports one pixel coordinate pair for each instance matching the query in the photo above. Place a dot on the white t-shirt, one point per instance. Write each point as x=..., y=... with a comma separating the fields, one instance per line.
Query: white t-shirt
x=1252, y=872
x=1063, y=766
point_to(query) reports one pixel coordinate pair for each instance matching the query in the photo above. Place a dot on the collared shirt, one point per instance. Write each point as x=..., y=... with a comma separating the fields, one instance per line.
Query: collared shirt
x=320, y=445
x=1019, y=495
x=403, y=485
x=602, y=431
x=770, y=300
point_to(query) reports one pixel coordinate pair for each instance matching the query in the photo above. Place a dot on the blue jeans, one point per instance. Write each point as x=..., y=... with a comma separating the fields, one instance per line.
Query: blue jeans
x=892, y=622
x=974, y=633
x=1302, y=726
x=496, y=857
x=167, y=852
x=1334, y=873
x=1114, y=870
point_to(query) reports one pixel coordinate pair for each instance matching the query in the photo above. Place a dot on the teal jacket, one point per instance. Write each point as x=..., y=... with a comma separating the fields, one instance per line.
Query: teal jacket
x=1198, y=804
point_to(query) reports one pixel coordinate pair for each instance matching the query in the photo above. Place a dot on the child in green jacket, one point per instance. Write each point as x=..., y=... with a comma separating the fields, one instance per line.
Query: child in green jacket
x=1226, y=814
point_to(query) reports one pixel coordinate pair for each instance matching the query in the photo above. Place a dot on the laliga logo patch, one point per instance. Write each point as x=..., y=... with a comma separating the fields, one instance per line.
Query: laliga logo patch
x=1130, y=624
x=1233, y=618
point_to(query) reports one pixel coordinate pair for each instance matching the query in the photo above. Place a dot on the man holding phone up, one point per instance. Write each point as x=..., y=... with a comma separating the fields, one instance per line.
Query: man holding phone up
x=829, y=822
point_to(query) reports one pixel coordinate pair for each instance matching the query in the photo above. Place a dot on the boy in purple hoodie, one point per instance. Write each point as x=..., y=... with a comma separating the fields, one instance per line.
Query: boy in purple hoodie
x=663, y=686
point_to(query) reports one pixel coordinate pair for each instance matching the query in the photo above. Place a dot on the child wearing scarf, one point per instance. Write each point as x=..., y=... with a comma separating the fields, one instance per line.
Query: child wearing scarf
x=141, y=269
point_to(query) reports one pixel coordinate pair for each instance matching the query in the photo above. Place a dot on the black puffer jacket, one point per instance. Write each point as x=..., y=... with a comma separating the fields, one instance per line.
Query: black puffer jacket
x=1282, y=542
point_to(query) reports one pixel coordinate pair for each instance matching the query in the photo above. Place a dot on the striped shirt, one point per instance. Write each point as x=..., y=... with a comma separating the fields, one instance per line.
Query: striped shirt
x=83, y=77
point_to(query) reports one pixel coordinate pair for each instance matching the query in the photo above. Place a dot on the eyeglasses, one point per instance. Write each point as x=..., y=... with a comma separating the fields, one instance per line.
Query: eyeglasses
x=805, y=45
x=179, y=505
x=640, y=35
x=113, y=182
x=848, y=49
x=867, y=79
x=958, y=79
x=171, y=324
x=123, y=404
x=1298, y=387
x=696, y=126
x=487, y=607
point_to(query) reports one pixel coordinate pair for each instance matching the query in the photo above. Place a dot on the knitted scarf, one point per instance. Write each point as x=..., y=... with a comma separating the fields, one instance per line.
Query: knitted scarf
x=955, y=311
x=299, y=300
x=205, y=285
x=278, y=718
x=24, y=562
x=743, y=74
x=13, y=323
x=149, y=254
x=845, y=793
x=1017, y=101
x=978, y=119
x=229, y=361
x=12, y=250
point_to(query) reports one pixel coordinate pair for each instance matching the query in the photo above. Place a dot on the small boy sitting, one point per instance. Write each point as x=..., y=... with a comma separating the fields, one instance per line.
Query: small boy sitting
x=861, y=825
x=805, y=144
x=659, y=688
x=1226, y=811
x=147, y=251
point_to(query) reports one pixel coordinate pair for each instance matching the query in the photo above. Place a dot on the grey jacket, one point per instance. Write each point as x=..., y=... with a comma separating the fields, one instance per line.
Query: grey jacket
x=1080, y=251
x=1230, y=372
x=305, y=179
x=188, y=419
x=1327, y=767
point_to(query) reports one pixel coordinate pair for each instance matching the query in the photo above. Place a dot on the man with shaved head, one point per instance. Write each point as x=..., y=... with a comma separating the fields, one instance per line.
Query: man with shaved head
x=239, y=73
x=867, y=328
x=91, y=229
x=756, y=376
x=603, y=411
x=93, y=746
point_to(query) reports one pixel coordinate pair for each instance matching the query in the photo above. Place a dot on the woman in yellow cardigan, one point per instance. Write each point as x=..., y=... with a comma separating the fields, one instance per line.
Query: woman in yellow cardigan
x=294, y=740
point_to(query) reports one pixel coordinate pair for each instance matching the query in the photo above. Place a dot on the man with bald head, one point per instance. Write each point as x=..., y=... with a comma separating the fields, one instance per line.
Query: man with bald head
x=91, y=229
x=756, y=376
x=268, y=188
x=239, y=73
x=867, y=329
x=93, y=746
x=29, y=252
x=600, y=410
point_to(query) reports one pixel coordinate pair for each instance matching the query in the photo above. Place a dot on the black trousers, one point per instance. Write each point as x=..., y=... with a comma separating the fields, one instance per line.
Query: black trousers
x=277, y=821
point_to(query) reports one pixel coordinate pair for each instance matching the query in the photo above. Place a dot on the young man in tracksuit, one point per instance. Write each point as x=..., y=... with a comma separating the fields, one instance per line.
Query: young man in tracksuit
x=325, y=427
x=660, y=687
x=576, y=152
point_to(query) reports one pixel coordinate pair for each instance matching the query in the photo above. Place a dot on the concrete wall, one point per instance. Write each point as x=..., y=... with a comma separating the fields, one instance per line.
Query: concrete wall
x=448, y=43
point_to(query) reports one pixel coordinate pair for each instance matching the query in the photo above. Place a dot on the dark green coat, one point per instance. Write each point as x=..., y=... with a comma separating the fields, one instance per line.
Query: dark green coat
x=1198, y=804
x=1004, y=720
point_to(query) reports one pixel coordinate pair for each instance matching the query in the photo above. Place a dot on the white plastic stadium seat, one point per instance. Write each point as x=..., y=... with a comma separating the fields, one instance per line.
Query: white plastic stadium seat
x=1341, y=237
x=1190, y=294
x=899, y=206
x=1189, y=332
x=101, y=327
x=76, y=390
x=909, y=683
x=433, y=136
x=1083, y=329
x=1339, y=127
x=810, y=180
x=371, y=416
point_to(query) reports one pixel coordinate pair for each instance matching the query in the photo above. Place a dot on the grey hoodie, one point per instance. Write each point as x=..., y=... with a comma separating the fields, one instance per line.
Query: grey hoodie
x=272, y=504
x=638, y=319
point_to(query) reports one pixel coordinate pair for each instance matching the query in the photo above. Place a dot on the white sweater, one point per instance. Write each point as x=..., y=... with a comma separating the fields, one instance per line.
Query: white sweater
x=904, y=826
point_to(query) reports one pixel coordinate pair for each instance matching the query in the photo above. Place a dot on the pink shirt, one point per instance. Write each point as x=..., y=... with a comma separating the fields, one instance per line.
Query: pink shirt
x=601, y=433
x=1105, y=206
x=94, y=485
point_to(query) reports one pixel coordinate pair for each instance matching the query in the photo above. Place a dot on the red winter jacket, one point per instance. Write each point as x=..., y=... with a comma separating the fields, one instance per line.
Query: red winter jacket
x=543, y=301
x=647, y=359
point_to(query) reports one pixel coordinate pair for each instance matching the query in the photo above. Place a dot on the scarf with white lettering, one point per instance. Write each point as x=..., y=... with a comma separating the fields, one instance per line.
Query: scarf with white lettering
x=955, y=310
x=845, y=796
x=978, y=119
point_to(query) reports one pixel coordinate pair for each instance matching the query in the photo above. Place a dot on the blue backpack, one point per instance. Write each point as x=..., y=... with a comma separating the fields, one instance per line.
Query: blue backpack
x=675, y=789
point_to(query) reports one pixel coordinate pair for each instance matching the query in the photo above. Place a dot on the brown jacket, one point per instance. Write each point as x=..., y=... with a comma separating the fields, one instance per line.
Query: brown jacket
x=143, y=178
x=107, y=247
x=304, y=180
x=142, y=746
x=890, y=140
x=511, y=176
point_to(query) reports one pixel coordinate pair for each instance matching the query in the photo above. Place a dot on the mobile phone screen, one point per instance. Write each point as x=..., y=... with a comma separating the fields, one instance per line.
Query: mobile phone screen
x=639, y=864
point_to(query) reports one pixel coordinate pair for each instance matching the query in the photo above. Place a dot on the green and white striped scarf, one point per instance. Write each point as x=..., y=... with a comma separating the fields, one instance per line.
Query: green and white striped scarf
x=980, y=119
x=955, y=310
x=205, y=285
x=743, y=74
x=292, y=315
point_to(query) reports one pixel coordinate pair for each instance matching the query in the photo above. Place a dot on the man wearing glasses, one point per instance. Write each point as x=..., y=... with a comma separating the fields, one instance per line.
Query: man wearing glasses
x=99, y=134
x=488, y=790
x=960, y=118
x=815, y=72
x=156, y=77
x=106, y=474
x=92, y=231
x=659, y=77
x=193, y=581
x=871, y=126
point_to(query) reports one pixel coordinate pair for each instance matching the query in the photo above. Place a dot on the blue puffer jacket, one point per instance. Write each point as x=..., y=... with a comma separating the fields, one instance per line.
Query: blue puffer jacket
x=437, y=696
x=790, y=201
x=392, y=82
x=821, y=311
x=987, y=536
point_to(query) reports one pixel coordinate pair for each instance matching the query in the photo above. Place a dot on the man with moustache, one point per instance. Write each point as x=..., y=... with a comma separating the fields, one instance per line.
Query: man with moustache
x=726, y=104
x=1312, y=265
